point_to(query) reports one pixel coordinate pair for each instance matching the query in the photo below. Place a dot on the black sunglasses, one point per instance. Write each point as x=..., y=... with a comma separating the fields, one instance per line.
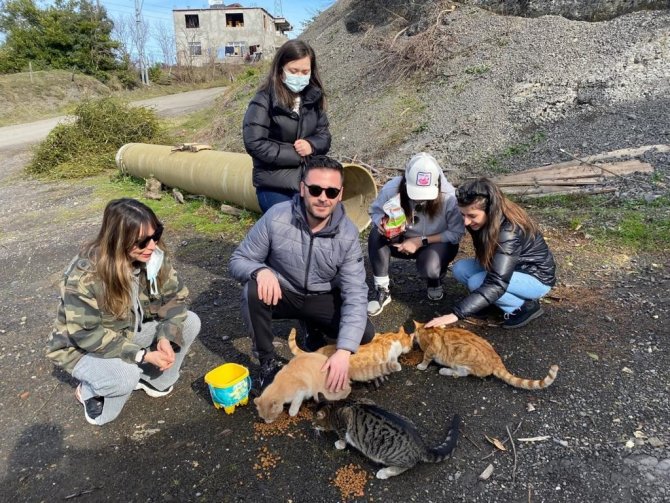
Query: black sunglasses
x=155, y=237
x=316, y=190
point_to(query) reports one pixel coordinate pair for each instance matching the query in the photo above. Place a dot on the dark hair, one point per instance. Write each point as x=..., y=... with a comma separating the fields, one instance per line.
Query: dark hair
x=487, y=196
x=290, y=51
x=321, y=162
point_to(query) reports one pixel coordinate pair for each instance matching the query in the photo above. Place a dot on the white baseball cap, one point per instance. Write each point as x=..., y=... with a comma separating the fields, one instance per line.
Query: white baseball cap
x=422, y=174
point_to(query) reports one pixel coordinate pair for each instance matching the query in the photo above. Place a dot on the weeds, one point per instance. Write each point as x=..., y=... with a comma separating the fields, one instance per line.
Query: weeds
x=88, y=145
x=493, y=163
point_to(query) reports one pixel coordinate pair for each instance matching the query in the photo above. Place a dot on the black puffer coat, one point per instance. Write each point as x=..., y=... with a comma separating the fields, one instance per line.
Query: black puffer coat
x=516, y=252
x=269, y=131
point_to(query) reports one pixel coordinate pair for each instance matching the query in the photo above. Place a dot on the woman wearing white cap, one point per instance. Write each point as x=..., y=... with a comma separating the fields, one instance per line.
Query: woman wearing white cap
x=433, y=229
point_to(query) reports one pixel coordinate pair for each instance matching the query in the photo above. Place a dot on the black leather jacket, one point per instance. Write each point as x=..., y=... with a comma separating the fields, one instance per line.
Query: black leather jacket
x=516, y=252
x=269, y=131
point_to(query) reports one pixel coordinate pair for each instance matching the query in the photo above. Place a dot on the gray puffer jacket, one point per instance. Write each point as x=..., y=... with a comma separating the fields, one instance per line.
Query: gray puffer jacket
x=309, y=263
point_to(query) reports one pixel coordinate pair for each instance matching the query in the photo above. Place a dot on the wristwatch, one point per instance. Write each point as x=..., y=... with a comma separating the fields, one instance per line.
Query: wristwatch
x=139, y=356
x=424, y=241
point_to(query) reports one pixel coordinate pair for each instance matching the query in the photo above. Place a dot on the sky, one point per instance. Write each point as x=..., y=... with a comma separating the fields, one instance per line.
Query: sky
x=156, y=12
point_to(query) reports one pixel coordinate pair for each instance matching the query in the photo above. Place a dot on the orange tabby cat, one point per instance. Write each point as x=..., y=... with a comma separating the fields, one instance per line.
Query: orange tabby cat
x=465, y=353
x=373, y=360
x=300, y=379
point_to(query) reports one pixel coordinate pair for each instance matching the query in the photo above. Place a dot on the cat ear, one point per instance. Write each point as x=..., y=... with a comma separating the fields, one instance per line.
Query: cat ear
x=320, y=397
x=402, y=330
x=417, y=325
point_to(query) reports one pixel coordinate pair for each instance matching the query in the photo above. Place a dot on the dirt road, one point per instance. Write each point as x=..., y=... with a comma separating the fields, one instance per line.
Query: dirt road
x=18, y=135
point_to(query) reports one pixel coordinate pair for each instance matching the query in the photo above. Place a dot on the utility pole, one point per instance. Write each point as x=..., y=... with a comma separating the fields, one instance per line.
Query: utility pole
x=139, y=39
x=279, y=12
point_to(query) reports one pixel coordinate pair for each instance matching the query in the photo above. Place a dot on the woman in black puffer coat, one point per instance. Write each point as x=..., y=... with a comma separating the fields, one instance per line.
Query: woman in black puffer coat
x=513, y=266
x=286, y=122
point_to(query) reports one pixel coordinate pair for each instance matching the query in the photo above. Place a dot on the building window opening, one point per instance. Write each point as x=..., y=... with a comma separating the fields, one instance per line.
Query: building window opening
x=235, y=20
x=195, y=48
x=192, y=21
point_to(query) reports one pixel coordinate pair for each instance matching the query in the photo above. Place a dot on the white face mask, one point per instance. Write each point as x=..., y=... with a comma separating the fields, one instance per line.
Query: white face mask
x=296, y=83
x=153, y=267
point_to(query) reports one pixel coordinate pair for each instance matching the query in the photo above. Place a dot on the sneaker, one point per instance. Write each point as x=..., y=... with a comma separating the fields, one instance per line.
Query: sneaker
x=151, y=391
x=92, y=406
x=382, y=297
x=435, y=292
x=269, y=369
x=522, y=316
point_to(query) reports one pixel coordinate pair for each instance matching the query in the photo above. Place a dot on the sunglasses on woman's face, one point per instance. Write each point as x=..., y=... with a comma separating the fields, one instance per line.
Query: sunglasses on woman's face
x=155, y=237
x=316, y=190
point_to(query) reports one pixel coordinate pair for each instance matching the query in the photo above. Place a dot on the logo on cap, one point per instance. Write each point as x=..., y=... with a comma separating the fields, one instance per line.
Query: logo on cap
x=423, y=179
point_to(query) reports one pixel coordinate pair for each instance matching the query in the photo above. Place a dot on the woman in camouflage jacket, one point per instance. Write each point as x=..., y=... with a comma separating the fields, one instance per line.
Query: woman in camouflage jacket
x=122, y=322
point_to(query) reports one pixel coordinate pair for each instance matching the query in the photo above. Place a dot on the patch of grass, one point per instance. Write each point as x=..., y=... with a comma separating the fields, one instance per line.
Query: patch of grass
x=478, y=70
x=225, y=128
x=199, y=214
x=635, y=225
x=88, y=145
x=493, y=163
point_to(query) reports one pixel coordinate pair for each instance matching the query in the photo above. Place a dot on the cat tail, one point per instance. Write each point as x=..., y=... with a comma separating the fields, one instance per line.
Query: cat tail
x=372, y=372
x=292, y=344
x=518, y=382
x=442, y=451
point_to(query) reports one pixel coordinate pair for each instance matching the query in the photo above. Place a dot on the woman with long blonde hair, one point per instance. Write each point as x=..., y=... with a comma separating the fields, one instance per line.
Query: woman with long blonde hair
x=122, y=321
x=513, y=266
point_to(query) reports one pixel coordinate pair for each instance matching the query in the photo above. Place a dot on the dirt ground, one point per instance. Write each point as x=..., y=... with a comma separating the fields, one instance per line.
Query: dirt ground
x=601, y=430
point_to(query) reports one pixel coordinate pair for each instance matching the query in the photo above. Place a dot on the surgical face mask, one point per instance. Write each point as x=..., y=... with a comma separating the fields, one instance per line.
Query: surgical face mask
x=153, y=267
x=296, y=83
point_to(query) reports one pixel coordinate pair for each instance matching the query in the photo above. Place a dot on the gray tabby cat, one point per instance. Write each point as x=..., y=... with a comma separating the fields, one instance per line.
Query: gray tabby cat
x=382, y=436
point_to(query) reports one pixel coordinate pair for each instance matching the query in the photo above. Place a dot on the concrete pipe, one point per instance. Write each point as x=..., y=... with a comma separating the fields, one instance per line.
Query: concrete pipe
x=226, y=176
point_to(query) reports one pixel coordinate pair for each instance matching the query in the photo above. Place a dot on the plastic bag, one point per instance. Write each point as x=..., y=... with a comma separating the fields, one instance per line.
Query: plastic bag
x=395, y=221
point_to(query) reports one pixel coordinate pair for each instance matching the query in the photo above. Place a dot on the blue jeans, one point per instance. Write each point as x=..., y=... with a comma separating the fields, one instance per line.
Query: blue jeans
x=267, y=198
x=522, y=287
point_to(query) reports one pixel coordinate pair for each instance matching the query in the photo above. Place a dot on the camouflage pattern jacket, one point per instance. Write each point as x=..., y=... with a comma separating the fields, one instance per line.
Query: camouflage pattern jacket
x=82, y=328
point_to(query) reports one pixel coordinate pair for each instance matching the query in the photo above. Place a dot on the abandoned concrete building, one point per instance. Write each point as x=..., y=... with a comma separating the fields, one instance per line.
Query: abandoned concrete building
x=227, y=33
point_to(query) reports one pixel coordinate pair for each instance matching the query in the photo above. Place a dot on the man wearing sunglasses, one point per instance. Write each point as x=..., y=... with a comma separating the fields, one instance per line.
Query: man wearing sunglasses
x=303, y=260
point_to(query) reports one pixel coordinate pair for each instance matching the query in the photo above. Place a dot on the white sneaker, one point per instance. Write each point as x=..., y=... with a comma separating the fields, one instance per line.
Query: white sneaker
x=381, y=298
x=151, y=391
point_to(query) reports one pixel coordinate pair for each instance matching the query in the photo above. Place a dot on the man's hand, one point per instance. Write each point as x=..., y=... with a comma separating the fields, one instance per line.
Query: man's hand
x=269, y=290
x=303, y=147
x=338, y=370
x=440, y=321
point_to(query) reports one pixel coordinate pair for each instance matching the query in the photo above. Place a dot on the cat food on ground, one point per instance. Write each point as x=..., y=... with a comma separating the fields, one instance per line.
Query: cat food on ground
x=412, y=359
x=266, y=462
x=281, y=425
x=351, y=480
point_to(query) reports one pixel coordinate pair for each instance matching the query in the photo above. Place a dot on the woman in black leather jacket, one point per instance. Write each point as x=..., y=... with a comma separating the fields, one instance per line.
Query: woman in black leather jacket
x=285, y=123
x=513, y=267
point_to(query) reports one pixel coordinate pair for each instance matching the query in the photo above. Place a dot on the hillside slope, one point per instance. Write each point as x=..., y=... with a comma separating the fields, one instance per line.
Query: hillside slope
x=483, y=91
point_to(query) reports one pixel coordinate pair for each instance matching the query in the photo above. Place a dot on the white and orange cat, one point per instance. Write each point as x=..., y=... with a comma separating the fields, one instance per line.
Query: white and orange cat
x=300, y=379
x=373, y=360
x=465, y=353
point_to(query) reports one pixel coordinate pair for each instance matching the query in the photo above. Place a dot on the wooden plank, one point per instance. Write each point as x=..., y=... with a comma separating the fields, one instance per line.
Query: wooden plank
x=575, y=171
x=555, y=190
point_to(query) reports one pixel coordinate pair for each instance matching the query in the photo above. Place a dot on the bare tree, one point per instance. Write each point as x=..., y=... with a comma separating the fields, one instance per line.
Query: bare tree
x=139, y=32
x=122, y=34
x=166, y=41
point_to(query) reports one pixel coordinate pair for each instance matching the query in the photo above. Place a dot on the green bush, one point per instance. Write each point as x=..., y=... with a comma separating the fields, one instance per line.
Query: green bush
x=88, y=145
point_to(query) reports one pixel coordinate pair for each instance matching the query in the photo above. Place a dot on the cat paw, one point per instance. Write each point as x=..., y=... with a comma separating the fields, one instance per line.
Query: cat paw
x=422, y=366
x=383, y=474
x=340, y=444
x=444, y=371
x=395, y=367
